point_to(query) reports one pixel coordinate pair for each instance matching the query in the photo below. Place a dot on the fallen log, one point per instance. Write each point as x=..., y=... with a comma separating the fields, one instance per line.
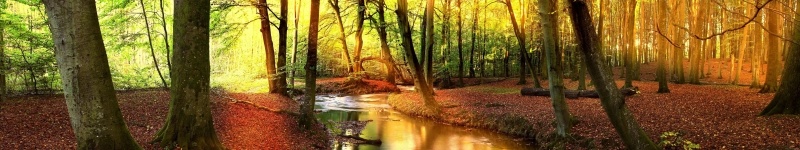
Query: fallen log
x=574, y=94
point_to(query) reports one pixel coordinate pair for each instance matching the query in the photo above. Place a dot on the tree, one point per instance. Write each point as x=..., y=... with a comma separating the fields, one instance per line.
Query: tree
x=86, y=78
x=630, y=49
x=3, y=95
x=696, y=47
x=150, y=41
x=189, y=123
x=342, y=35
x=773, y=52
x=521, y=41
x=610, y=97
x=474, y=30
x=552, y=52
x=425, y=90
x=787, y=97
x=663, y=44
x=283, y=28
x=382, y=34
x=269, y=50
x=166, y=34
x=427, y=42
x=307, y=107
x=362, y=9
x=460, y=45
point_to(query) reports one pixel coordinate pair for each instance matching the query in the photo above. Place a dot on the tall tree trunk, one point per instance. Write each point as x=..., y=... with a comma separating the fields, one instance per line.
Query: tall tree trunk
x=296, y=35
x=663, y=44
x=696, y=47
x=150, y=41
x=474, y=29
x=786, y=99
x=408, y=46
x=630, y=49
x=773, y=51
x=610, y=97
x=755, y=61
x=460, y=45
x=3, y=69
x=166, y=34
x=283, y=28
x=385, y=52
x=362, y=10
x=307, y=107
x=428, y=44
x=342, y=35
x=266, y=35
x=189, y=123
x=742, y=48
x=553, y=53
x=520, y=34
x=83, y=65
x=678, y=55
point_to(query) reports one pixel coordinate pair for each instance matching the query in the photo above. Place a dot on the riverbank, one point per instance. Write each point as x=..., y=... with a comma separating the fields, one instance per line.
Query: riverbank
x=242, y=121
x=714, y=116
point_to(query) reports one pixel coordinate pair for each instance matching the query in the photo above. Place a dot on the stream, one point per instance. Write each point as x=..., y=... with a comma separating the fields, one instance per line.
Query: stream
x=403, y=132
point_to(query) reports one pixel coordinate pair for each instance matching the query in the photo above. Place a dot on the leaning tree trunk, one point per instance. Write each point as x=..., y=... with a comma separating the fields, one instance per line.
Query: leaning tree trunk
x=150, y=41
x=427, y=50
x=408, y=46
x=773, y=52
x=342, y=35
x=83, y=65
x=610, y=97
x=382, y=34
x=553, y=54
x=269, y=50
x=787, y=98
x=189, y=124
x=307, y=107
x=521, y=41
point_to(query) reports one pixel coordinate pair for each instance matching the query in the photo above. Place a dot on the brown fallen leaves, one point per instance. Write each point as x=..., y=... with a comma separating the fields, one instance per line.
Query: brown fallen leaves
x=42, y=122
x=714, y=116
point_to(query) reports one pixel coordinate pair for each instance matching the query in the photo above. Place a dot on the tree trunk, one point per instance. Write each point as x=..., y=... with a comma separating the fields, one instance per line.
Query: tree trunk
x=742, y=48
x=408, y=46
x=283, y=28
x=755, y=61
x=520, y=34
x=307, y=106
x=362, y=10
x=695, y=50
x=678, y=51
x=266, y=35
x=611, y=99
x=663, y=87
x=296, y=35
x=86, y=78
x=460, y=45
x=166, y=34
x=553, y=53
x=3, y=69
x=630, y=49
x=773, y=52
x=786, y=99
x=385, y=52
x=189, y=123
x=474, y=29
x=150, y=41
x=427, y=49
x=342, y=36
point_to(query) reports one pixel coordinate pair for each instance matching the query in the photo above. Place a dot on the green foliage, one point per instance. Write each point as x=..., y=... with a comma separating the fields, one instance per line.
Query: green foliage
x=675, y=141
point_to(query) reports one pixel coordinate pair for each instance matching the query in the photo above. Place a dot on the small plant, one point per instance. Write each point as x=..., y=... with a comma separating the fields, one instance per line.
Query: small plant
x=675, y=141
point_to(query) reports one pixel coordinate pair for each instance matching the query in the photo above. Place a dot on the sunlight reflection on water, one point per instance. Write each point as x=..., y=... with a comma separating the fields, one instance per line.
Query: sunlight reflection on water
x=398, y=131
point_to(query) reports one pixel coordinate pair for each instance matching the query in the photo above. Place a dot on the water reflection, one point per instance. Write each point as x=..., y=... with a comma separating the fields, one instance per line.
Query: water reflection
x=398, y=131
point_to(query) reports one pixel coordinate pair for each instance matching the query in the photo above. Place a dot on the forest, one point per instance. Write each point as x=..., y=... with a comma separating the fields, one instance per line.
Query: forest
x=400, y=74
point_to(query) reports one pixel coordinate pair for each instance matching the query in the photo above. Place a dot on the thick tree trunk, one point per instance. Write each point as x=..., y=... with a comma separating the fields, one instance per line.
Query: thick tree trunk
x=150, y=41
x=787, y=99
x=86, y=78
x=307, y=107
x=362, y=10
x=408, y=46
x=427, y=49
x=269, y=50
x=663, y=47
x=520, y=41
x=773, y=52
x=189, y=123
x=553, y=54
x=283, y=29
x=630, y=49
x=755, y=61
x=677, y=54
x=611, y=99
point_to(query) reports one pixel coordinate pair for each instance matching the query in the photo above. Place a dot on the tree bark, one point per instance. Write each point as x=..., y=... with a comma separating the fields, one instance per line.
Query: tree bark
x=283, y=28
x=696, y=47
x=773, y=52
x=166, y=34
x=385, y=52
x=150, y=41
x=460, y=45
x=630, y=49
x=408, y=46
x=86, y=78
x=663, y=86
x=307, y=107
x=786, y=99
x=269, y=50
x=611, y=99
x=474, y=29
x=3, y=69
x=362, y=10
x=553, y=53
x=428, y=44
x=296, y=35
x=189, y=123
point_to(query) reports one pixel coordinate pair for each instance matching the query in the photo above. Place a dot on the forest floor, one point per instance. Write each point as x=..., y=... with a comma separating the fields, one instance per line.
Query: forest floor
x=242, y=121
x=715, y=116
